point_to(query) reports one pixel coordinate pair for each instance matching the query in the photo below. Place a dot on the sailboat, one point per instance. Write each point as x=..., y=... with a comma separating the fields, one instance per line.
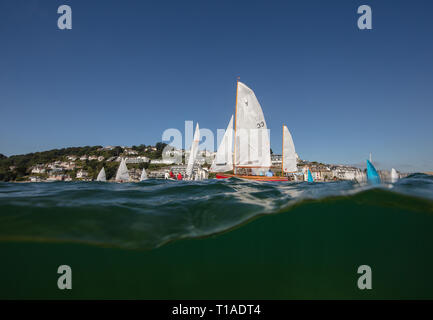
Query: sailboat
x=372, y=175
x=394, y=175
x=252, y=157
x=101, y=176
x=289, y=162
x=310, y=176
x=122, y=174
x=193, y=153
x=143, y=175
x=223, y=161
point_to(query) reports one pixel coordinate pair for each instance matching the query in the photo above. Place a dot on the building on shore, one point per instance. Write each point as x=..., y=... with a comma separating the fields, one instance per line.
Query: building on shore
x=137, y=160
x=81, y=174
x=162, y=161
x=197, y=171
x=343, y=172
x=134, y=174
x=38, y=169
x=276, y=160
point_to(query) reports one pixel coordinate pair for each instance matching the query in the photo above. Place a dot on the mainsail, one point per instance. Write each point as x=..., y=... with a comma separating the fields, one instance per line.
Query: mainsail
x=224, y=158
x=310, y=177
x=252, y=147
x=122, y=172
x=394, y=175
x=143, y=175
x=289, y=153
x=372, y=175
x=193, y=152
x=101, y=175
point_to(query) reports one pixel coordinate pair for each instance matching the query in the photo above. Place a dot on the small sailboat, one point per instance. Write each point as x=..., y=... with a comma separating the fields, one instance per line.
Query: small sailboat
x=143, y=175
x=101, y=176
x=193, y=153
x=223, y=161
x=372, y=175
x=289, y=162
x=310, y=176
x=394, y=175
x=122, y=174
x=252, y=157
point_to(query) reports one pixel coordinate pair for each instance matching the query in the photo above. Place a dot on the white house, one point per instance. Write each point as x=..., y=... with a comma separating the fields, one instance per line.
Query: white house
x=82, y=174
x=38, y=169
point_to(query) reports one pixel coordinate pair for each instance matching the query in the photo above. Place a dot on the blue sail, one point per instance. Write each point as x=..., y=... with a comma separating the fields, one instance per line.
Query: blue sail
x=372, y=175
x=310, y=177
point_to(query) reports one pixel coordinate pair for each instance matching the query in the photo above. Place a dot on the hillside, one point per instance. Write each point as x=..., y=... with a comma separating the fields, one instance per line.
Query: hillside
x=88, y=158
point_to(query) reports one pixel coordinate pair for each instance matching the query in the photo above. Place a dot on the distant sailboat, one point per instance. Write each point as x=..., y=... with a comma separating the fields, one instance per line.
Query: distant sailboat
x=310, y=177
x=372, y=175
x=289, y=162
x=251, y=143
x=193, y=153
x=143, y=175
x=224, y=158
x=122, y=174
x=394, y=175
x=101, y=176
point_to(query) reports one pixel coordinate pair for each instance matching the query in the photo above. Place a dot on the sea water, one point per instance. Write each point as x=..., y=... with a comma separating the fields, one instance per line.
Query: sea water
x=217, y=239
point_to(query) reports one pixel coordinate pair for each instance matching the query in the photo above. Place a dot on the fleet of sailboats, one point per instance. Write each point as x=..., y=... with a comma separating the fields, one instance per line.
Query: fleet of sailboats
x=245, y=149
x=122, y=174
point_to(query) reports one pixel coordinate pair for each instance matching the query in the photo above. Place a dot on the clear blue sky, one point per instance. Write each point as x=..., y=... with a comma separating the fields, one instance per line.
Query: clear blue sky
x=128, y=70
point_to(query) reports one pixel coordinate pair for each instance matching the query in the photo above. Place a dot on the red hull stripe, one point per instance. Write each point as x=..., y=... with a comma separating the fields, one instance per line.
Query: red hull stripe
x=255, y=178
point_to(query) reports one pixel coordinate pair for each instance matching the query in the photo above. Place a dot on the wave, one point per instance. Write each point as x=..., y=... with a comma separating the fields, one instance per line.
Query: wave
x=149, y=214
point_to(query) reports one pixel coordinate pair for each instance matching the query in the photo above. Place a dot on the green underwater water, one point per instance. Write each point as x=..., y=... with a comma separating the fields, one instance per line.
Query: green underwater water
x=307, y=242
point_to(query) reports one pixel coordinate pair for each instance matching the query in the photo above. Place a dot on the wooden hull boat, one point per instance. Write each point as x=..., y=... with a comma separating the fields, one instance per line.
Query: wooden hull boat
x=251, y=153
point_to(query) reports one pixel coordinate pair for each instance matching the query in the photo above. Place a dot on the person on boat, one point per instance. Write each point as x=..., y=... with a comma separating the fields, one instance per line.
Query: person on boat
x=171, y=174
x=179, y=176
x=269, y=173
x=166, y=176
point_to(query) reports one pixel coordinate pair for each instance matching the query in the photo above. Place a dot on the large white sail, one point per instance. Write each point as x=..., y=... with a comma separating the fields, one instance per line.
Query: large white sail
x=193, y=152
x=122, y=172
x=394, y=175
x=289, y=153
x=224, y=158
x=252, y=147
x=101, y=175
x=143, y=175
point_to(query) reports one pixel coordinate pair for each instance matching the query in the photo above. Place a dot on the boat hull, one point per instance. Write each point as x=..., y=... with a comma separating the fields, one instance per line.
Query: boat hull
x=255, y=178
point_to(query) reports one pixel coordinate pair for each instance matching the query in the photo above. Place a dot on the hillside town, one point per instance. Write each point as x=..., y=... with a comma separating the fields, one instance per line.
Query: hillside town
x=84, y=164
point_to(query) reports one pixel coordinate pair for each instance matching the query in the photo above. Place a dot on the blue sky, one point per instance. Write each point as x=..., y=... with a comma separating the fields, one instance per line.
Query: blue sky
x=128, y=70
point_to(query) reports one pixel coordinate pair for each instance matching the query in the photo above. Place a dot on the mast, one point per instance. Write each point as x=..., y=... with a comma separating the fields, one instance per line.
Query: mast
x=236, y=117
x=282, y=155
